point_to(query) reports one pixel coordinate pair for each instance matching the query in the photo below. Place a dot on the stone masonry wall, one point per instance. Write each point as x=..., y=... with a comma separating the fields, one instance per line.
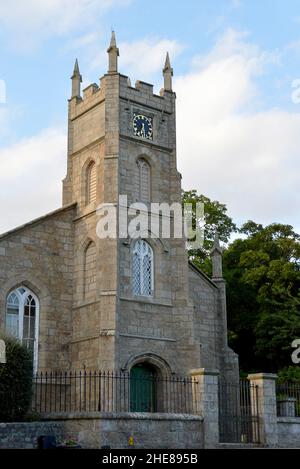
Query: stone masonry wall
x=161, y=326
x=93, y=431
x=203, y=294
x=148, y=430
x=288, y=430
x=25, y=435
x=39, y=255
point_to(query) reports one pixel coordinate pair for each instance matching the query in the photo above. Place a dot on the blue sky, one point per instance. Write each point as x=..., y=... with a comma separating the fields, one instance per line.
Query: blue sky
x=234, y=63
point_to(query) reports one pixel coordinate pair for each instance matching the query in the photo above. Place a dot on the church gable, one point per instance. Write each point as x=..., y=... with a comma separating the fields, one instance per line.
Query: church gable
x=201, y=276
x=38, y=256
x=204, y=295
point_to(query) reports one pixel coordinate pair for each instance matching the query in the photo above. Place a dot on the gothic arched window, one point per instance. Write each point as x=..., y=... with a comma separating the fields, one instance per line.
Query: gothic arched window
x=142, y=181
x=142, y=263
x=22, y=309
x=91, y=183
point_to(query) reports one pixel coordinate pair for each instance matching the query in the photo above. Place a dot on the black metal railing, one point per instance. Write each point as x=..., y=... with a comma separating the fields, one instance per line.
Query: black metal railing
x=238, y=412
x=288, y=399
x=113, y=391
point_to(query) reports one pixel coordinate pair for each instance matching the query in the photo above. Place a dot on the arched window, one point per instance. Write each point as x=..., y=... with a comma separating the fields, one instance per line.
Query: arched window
x=142, y=268
x=29, y=322
x=90, y=271
x=142, y=181
x=91, y=183
x=22, y=310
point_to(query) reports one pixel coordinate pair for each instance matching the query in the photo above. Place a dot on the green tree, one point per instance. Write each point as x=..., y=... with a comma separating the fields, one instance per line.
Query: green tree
x=215, y=219
x=263, y=278
x=15, y=382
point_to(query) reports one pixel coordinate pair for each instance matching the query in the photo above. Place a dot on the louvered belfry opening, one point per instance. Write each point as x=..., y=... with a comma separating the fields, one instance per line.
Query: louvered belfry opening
x=91, y=183
x=142, y=181
x=90, y=271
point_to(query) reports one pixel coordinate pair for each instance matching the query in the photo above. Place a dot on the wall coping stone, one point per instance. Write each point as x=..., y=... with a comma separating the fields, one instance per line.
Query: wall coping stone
x=269, y=376
x=204, y=372
x=120, y=416
x=201, y=274
x=38, y=220
x=24, y=424
x=288, y=420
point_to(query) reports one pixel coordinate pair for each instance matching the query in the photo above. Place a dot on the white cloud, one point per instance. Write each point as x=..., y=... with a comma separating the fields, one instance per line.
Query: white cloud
x=227, y=149
x=31, y=21
x=235, y=44
x=8, y=117
x=30, y=177
x=4, y=118
x=83, y=41
x=244, y=158
x=139, y=59
x=236, y=3
x=146, y=57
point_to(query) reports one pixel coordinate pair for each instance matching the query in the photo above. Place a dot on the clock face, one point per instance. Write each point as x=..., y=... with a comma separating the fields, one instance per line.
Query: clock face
x=142, y=126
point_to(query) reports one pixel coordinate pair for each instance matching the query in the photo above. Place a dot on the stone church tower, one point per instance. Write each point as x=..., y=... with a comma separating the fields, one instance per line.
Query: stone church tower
x=114, y=303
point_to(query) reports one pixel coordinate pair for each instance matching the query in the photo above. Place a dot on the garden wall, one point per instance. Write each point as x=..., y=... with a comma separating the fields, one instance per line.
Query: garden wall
x=288, y=430
x=94, y=430
x=25, y=434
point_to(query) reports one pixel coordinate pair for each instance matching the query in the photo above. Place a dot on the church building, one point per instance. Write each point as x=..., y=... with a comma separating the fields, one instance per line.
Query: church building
x=79, y=301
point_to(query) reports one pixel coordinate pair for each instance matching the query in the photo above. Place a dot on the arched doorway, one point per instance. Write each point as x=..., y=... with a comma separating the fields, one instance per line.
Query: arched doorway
x=143, y=388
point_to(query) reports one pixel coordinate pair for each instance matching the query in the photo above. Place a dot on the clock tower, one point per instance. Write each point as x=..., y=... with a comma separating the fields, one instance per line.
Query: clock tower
x=135, y=301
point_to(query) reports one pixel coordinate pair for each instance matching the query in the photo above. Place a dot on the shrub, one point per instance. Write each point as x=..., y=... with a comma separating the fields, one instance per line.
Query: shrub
x=289, y=374
x=15, y=381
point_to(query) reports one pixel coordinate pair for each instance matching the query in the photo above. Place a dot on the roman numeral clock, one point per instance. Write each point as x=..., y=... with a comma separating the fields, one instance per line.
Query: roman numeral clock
x=142, y=126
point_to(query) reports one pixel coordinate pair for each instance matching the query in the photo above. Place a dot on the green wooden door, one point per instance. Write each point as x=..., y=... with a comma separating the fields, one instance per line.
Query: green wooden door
x=142, y=389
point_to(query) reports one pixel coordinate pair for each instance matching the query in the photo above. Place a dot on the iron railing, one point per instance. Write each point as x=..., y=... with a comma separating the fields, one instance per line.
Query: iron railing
x=288, y=399
x=113, y=391
x=238, y=412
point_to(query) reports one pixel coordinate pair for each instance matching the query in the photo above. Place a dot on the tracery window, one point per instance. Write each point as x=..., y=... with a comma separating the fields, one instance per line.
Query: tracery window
x=143, y=281
x=22, y=309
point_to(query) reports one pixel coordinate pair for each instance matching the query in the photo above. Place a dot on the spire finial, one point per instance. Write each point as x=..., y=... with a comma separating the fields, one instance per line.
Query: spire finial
x=167, y=74
x=168, y=63
x=76, y=68
x=113, y=53
x=113, y=42
x=216, y=244
x=76, y=80
x=216, y=254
